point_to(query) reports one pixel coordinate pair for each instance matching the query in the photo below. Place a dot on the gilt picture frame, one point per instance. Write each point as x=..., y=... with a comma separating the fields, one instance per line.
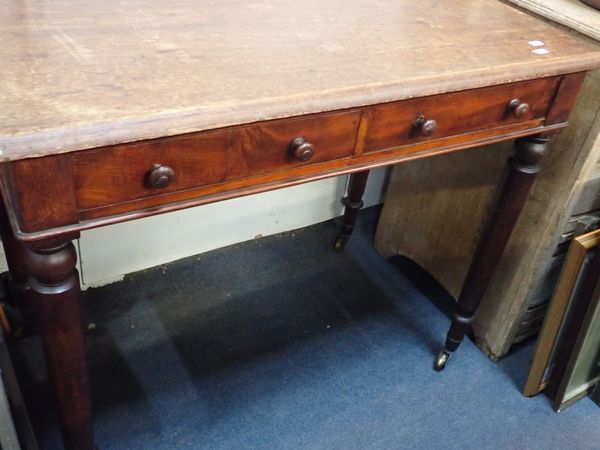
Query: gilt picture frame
x=579, y=255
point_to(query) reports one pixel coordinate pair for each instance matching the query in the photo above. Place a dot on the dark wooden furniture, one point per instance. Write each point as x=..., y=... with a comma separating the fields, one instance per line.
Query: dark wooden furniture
x=110, y=115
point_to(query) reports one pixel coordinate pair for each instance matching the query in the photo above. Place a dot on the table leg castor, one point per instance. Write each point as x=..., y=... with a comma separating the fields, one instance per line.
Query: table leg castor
x=441, y=360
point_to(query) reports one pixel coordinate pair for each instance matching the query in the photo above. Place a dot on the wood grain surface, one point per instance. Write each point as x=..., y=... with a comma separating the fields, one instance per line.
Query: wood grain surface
x=392, y=124
x=79, y=75
x=208, y=158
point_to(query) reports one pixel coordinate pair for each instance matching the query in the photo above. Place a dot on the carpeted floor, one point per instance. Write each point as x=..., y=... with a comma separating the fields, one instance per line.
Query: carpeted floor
x=280, y=343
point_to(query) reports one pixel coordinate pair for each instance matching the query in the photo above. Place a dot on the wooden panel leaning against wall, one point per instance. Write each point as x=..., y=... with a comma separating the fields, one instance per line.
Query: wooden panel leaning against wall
x=434, y=219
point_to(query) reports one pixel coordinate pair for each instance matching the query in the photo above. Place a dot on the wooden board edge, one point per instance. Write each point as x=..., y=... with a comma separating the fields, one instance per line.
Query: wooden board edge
x=172, y=123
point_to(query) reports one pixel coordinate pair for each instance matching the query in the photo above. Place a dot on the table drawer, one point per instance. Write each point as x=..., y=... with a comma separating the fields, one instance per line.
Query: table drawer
x=112, y=175
x=116, y=174
x=439, y=116
x=330, y=136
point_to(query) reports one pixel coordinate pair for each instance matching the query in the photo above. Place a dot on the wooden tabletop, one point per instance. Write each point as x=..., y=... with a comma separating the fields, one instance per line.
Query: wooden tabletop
x=77, y=75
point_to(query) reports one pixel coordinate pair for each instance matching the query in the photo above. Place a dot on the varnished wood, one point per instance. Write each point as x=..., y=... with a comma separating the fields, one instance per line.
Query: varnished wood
x=108, y=176
x=55, y=290
x=352, y=204
x=107, y=119
x=112, y=175
x=118, y=174
x=83, y=75
x=520, y=174
x=393, y=124
x=455, y=193
x=42, y=191
x=565, y=98
x=115, y=180
x=168, y=202
x=301, y=149
x=266, y=145
x=160, y=176
x=518, y=108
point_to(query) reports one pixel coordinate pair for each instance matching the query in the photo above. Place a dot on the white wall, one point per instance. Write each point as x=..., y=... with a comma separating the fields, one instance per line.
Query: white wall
x=107, y=254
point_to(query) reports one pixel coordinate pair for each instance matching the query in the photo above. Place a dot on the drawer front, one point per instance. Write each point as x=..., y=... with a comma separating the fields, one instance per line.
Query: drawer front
x=128, y=172
x=440, y=116
x=331, y=136
x=117, y=174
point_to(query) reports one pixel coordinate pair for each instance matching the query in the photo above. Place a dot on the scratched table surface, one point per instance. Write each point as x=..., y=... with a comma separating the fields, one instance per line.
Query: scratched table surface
x=82, y=74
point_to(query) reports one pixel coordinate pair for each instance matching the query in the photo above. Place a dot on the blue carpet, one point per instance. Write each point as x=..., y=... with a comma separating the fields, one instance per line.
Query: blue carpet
x=280, y=343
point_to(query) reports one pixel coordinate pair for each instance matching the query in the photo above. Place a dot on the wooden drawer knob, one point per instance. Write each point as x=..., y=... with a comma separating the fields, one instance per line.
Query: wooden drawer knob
x=518, y=108
x=425, y=127
x=301, y=149
x=160, y=176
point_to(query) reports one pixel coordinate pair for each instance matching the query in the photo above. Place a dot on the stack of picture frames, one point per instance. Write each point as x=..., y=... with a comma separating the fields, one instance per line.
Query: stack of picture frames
x=566, y=359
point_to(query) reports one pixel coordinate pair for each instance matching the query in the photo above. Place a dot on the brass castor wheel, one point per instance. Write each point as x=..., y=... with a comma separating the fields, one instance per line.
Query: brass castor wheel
x=340, y=243
x=441, y=360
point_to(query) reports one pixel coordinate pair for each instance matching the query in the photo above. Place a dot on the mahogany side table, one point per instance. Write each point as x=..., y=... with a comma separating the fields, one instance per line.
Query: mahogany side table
x=113, y=111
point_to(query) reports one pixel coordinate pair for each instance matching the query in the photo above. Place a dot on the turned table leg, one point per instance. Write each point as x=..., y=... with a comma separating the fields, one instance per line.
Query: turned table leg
x=352, y=204
x=55, y=292
x=520, y=174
